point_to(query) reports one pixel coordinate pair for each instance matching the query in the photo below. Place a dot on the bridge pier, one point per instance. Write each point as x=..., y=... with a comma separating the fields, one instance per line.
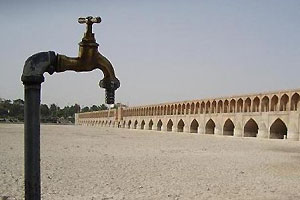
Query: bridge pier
x=164, y=128
x=293, y=135
x=186, y=129
x=262, y=131
x=218, y=131
x=262, y=134
x=201, y=130
x=238, y=132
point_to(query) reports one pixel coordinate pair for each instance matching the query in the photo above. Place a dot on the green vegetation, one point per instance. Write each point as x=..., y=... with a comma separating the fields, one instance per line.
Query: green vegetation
x=13, y=111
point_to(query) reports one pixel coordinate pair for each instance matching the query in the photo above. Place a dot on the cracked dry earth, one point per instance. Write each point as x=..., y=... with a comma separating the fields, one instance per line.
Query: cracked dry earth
x=80, y=162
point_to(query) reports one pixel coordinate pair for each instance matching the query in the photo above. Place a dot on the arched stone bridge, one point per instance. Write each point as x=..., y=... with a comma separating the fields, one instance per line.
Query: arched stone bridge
x=265, y=115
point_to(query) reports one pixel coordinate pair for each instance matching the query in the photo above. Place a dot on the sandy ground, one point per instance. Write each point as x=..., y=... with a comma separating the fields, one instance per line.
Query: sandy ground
x=105, y=163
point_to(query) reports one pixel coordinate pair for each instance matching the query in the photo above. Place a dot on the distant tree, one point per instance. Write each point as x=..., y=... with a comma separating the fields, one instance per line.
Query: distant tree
x=60, y=112
x=18, y=102
x=45, y=111
x=7, y=104
x=4, y=108
x=103, y=107
x=15, y=110
x=3, y=112
x=85, y=109
x=53, y=110
x=71, y=111
x=66, y=111
x=94, y=108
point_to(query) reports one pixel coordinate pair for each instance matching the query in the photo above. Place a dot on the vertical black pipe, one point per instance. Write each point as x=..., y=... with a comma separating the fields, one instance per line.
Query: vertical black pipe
x=32, y=141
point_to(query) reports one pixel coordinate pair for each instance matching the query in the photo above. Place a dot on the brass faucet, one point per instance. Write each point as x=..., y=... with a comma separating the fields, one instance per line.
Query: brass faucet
x=89, y=59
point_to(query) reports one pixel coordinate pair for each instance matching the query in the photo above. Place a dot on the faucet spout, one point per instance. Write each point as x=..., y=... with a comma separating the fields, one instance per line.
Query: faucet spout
x=89, y=59
x=110, y=82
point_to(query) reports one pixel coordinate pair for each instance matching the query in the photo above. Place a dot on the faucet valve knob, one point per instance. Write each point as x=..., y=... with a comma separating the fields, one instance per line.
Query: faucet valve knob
x=89, y=20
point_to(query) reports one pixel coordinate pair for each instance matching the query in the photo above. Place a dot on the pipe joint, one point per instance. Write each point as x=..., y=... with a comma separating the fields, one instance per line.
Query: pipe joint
x=110, y=85
x=36, y=65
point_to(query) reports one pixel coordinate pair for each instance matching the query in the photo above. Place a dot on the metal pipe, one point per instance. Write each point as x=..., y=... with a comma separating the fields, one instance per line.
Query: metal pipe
x=32, y=77
x=32, y=93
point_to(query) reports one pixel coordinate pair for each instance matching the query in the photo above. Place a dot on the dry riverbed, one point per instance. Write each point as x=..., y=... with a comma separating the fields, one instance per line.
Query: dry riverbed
x=80, y=162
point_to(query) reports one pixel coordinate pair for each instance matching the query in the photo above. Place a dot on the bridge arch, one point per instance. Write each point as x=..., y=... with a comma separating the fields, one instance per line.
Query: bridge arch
x=265, y=104
x=294, y=102
x=143, y=124
x=247, y=105
x=284, y=102
x=239, y=105
x=232, y=106
x=197, y=108
x=135, y=124
x=207, y=107
x=172, y=110
x=129, y=123
x=202, y=107
x=150, y=124
x=180, y=126
x=165, y=110
x=255, y=106
x=228, y=128
x=250, y=128
x=194, y=126
x=179, y=109
x=278, y=129
x=226, y=106
x=220, y=106
x=159, y=125
x=183, y=109
x=168, y=110
x=214, y=107
x=210, y=127
x=169, y=125
x=274, y=103
x=187, y=108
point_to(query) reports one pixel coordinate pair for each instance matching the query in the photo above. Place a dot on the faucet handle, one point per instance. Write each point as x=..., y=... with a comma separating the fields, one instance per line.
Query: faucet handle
x=89, y=20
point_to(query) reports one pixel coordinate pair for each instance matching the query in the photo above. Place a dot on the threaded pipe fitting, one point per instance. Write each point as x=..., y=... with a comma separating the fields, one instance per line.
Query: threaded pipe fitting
x=110, y=96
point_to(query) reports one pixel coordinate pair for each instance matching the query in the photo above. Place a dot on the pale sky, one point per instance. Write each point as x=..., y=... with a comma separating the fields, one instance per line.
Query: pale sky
x=161, y=50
